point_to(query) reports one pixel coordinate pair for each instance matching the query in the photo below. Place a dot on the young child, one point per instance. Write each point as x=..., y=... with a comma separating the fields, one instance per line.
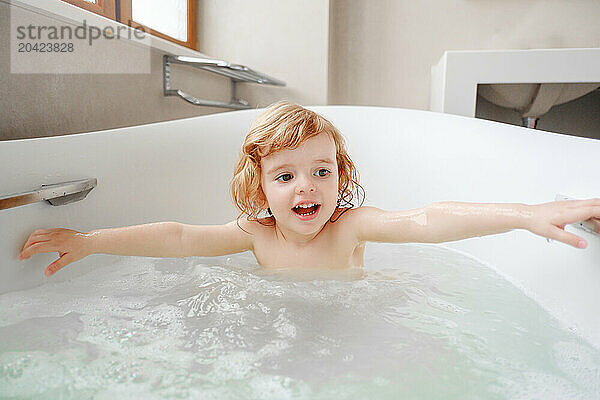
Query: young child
x=294, y=166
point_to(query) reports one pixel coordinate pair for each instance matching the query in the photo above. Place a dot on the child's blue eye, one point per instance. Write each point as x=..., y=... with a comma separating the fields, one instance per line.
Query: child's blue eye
x=322, y=172
x=284, y=177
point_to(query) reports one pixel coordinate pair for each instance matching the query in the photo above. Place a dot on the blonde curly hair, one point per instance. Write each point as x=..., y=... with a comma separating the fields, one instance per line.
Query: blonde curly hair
x=284, y=125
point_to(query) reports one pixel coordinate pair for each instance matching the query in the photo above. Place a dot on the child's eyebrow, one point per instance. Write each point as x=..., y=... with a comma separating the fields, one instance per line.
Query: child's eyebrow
x=325, y=161
x=284, y=166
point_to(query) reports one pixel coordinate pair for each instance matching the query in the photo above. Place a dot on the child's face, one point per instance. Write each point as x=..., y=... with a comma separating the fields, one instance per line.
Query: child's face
x=305, y=175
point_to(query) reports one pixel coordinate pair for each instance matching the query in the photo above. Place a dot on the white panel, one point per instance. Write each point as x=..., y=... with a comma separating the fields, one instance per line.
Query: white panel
x=165, y=16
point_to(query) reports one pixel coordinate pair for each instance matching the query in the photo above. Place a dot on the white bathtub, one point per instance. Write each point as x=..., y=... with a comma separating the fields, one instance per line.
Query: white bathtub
x=180, y=170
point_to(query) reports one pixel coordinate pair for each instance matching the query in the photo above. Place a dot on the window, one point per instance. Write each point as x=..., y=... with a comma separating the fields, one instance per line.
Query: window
x=102, y=7
x=173, y=20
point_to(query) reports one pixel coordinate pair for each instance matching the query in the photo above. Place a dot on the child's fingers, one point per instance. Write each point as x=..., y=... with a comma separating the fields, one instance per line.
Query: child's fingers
x=38, y=247
x=25, y=250
x=567, y=237
x=591, y=202
x=38, y=232
x=595, y=212
x=39, y=235
x=62, y=261
x=36, y=235
x=583, y=213
x=54, y=236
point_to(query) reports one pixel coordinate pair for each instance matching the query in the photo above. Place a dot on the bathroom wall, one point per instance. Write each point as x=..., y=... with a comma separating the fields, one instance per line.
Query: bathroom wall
x=382, y=51
x=286, y=38
x=328, y=51
x=254, y=34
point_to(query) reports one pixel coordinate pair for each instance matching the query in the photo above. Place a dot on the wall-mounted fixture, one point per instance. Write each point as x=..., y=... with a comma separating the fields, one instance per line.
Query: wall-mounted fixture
x=57, y=194
x=237, y=73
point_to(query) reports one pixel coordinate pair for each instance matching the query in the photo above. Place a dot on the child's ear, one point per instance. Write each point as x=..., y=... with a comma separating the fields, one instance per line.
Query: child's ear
x=262, y=199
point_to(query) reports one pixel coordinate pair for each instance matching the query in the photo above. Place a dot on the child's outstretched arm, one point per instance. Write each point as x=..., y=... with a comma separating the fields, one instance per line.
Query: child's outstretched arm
x=161, y=239
x=448, y=221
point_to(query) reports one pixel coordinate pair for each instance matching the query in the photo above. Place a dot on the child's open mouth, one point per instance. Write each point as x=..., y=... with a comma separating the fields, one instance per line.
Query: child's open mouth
x=307, y=211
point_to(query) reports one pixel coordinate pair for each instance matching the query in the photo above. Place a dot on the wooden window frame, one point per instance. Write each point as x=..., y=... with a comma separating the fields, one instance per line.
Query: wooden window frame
x=192, y=26
x=108, y=9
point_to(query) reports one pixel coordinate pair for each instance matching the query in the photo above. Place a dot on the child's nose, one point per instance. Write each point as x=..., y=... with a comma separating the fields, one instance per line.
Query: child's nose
x=304, y=186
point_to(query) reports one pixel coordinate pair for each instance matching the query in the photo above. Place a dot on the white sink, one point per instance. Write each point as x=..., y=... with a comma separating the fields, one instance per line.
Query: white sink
x=533, y=99
x=530, y=81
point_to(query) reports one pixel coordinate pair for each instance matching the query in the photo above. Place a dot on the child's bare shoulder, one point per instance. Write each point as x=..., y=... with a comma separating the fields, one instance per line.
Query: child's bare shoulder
x=358, y=215
x=254, y=227
x=356, y=221
x=250, y=232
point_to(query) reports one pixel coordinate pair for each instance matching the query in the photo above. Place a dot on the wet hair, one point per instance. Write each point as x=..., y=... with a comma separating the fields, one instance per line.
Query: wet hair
x=284, y=126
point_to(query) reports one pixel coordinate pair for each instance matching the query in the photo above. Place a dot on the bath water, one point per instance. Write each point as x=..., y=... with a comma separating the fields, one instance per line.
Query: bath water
x=419, y=321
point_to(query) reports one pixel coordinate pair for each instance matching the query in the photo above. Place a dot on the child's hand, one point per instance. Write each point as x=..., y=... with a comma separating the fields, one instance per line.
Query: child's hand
x=70, y=245
x=549, y=219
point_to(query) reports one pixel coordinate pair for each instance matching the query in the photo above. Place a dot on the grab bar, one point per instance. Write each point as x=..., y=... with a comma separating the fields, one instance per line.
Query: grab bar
x=57, y=194
x=236, y=72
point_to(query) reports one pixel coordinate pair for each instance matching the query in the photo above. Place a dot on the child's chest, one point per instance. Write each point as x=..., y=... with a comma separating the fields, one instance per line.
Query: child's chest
x=320, y=254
